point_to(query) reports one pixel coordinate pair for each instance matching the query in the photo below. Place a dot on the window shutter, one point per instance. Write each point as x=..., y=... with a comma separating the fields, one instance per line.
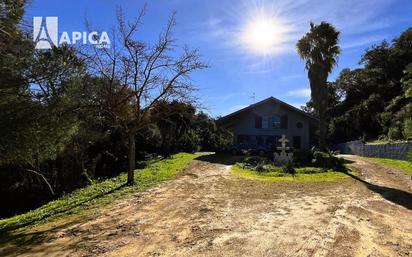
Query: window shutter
x=258, y=122
x=284, y=122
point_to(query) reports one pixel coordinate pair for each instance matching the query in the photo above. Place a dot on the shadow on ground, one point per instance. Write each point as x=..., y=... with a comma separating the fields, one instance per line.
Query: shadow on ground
x=220, y=158
x=394, y=195
x=14, y=243
x=65, y=209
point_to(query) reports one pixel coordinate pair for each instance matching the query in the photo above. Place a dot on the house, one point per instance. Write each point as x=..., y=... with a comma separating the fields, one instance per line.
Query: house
x=263, y=123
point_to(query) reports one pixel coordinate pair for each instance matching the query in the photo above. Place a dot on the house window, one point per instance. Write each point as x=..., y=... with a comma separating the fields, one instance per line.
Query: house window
x=296, y=142
x=269, y=122
x=299, y=125
x=265, y=122
x=276, y=122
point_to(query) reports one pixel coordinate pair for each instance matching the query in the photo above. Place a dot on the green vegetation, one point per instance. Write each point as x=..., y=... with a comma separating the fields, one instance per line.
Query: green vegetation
x=64, y=121
x=373, y=101
x=404, y=166
x=319, y=48
x=101, y=192
x=385, y=141
x=303, y=174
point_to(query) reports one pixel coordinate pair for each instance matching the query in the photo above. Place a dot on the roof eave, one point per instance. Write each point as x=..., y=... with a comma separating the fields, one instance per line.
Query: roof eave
x=222, y=119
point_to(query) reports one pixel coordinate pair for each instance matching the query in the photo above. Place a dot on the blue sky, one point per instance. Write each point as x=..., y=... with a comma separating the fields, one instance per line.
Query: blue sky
x=221, y=30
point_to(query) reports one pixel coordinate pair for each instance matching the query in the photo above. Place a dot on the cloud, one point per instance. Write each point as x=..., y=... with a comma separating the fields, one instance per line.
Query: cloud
x=351, y=16
x=302, y=92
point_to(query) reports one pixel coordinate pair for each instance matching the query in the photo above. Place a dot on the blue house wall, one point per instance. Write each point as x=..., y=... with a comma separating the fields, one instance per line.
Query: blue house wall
x=243, y=124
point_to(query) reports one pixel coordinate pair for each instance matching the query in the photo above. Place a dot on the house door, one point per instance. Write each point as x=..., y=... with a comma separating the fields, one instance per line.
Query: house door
x=296, y=142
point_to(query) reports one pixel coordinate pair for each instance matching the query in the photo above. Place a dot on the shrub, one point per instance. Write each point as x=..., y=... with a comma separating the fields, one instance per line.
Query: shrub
x=407, y=128
x=383, y=138
x=289, y=169
x=141, y=165
x=253, y=161
x=220, y=140
x=394, y=133
x=410, y=156
x=328, y=161
x=259, y=164
x=302, y=157
x=189, y=142
x=261, y=167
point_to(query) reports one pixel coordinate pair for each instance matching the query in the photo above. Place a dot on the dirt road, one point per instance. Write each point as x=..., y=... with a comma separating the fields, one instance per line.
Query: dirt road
x=210, y=212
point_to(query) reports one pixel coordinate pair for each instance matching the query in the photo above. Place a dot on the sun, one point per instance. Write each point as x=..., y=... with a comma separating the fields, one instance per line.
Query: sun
x=261, y=34
x=264, y=35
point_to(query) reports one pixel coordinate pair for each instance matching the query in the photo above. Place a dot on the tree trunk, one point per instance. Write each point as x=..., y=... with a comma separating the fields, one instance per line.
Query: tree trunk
x=322, y=133
x=319, y=93
x=132, y=159
x=323, y=126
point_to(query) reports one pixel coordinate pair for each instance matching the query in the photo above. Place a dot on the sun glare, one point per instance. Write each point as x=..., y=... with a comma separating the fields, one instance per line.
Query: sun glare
x=265, y=35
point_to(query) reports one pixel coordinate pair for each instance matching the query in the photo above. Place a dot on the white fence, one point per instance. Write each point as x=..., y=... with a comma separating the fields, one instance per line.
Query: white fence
x=391, y=150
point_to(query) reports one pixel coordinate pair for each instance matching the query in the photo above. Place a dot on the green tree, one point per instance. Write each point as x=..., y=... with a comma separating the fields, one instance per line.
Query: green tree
x=319, y=49
x=37, y=95
x=174, y=121
x=407, y=81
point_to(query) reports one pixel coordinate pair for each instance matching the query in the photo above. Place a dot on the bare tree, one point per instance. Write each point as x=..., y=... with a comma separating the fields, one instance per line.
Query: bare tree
x=137, y=75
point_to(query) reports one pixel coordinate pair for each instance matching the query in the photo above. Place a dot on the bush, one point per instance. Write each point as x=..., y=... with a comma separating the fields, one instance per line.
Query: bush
x=328, y=161
x=383, y=138
x=289, y=169
x=141, y=165
x=394, y=133
x=261, y=167
x=189, y=143
x=257, y=163
x=407, y=128
x=311, y=162
x=220, y=140
x=410, y=156
x=302, y=157
x=253, y=161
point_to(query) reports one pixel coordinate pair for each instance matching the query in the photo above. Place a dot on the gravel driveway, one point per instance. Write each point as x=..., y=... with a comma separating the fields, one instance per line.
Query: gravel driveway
x=210, y=212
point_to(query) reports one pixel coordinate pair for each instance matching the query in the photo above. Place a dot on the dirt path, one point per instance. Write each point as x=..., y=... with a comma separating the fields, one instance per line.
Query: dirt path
x=210, y=212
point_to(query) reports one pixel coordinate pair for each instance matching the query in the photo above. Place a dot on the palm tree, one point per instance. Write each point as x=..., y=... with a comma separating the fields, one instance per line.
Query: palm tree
x=319, y=49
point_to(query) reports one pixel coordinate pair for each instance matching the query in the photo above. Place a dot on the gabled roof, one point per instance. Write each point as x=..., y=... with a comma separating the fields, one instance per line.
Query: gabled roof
x=269, y=99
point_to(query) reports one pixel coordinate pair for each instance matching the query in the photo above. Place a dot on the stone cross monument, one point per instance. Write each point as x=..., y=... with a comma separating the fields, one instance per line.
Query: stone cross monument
x=284, y=157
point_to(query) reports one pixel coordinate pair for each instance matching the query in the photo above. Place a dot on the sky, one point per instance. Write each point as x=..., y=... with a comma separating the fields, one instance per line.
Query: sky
x=249, y=45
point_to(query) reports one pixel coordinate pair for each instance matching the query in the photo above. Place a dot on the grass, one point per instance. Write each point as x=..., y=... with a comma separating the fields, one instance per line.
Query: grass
x=404, y=166
x=385, y=141
x=100, y=193
x=305, y=174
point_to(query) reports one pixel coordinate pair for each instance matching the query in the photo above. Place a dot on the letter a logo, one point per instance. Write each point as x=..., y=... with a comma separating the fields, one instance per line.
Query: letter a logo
x=45, y=32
